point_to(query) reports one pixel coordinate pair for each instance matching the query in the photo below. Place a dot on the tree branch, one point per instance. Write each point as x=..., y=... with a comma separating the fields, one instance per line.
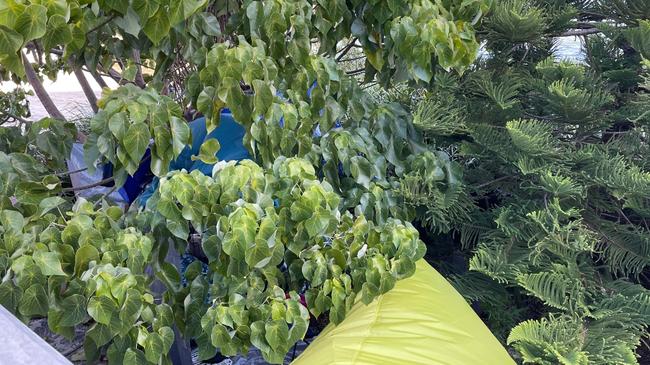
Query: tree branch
x=100, y=80
x=491, y=182
x=353, y=59
x=102, y=24
x=356, y=72
x=118, y=77
x=42, y=94
x=346, y=49
x=579, y=32
x=89, y=186
x=40, y=91
x=85, y=86
x=368, y=85
x=16, y=118
x=71, y=172
x=139, y=80
x=109, y=192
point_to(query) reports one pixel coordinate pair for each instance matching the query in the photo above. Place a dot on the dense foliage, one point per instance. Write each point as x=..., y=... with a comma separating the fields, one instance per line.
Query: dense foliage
x=285, y=239
x=251, y=224
x=555, y=159
x=526, y=177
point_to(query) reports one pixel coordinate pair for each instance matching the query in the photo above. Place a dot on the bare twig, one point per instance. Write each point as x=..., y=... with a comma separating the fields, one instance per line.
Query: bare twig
x=102, y=24
x=624, y=216
x=56, y=51
x=356, y=72
x=579, y=32
x=491, y=182
x=353, y=59
x=109, y=192
x=71, y=172
x=15, y=117
x=89, y=186
x=346, y=49
x=72, y=350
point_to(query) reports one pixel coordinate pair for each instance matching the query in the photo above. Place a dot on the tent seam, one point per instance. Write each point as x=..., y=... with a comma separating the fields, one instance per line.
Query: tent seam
x=370, y=327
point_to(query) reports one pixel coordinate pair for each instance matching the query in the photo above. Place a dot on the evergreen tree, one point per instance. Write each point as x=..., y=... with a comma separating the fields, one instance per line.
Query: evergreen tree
x=554, y=156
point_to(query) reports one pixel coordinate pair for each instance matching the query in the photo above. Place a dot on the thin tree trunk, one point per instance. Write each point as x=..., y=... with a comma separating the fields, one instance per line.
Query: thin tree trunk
x=85, y=86
x=117, y=77
x=100, y=80
x=42, y=94
x=139, y=80
x=37, y=85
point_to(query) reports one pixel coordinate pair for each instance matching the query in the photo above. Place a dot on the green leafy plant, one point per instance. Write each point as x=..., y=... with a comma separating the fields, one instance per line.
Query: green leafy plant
x=129, y=118
x=85, y=267
x=267, y=235
x=312, y=225
x=14, y=106
x=557, y=239
x=529, y=171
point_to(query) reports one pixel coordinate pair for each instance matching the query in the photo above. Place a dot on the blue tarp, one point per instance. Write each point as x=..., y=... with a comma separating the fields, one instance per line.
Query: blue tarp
x=230, y=135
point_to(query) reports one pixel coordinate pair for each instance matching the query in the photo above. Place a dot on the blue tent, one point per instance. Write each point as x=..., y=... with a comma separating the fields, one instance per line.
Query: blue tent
x=230, y=135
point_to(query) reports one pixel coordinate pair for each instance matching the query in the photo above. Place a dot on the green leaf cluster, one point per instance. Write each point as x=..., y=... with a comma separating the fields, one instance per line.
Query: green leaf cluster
x=552, y=206
x=252, y=222
x=13, y=107
x=27, y=179
x=329, y=220
x=85, y=268
x=130, y=119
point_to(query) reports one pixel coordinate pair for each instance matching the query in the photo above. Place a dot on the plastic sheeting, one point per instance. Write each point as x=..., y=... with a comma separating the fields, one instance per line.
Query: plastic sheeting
x=84, y=178
x=423, y=320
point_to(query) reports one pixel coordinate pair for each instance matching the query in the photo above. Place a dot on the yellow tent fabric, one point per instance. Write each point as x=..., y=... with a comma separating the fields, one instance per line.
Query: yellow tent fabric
x=422, y=321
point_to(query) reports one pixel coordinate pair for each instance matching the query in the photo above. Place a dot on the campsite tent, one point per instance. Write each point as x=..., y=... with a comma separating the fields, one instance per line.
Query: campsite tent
x=422, y=321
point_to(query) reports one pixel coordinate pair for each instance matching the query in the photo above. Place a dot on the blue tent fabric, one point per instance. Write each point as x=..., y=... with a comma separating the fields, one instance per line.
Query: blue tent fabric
x=134, y=185
x=230, y=135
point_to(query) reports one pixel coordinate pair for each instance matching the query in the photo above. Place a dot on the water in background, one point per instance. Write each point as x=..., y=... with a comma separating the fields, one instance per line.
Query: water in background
x=66, y=94
x=73, y=105
x=569, y=48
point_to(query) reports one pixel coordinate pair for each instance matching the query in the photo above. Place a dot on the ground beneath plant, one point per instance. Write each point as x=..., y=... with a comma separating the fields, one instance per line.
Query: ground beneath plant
x=73, y=349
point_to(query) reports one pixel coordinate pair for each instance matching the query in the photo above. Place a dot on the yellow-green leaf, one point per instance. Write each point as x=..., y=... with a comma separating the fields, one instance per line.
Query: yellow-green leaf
x=32, y=22
x=49, y=263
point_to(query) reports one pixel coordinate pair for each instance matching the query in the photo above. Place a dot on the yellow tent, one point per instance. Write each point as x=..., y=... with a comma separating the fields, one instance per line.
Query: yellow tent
x=423, y=320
